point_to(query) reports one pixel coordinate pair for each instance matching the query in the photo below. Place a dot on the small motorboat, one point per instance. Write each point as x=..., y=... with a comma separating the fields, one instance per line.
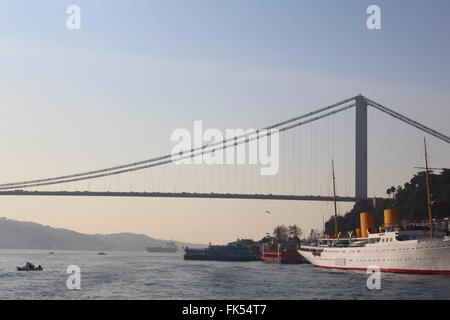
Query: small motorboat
x=101, y=253
x=30, y=267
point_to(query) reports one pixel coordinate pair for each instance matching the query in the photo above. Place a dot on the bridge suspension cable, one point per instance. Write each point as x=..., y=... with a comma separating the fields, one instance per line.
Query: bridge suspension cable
x=408, y=120
x=226, y=143
x=128, y=165
x=245, y=138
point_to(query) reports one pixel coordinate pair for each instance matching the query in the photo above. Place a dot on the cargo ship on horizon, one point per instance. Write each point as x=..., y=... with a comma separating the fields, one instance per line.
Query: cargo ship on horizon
x=169, y=248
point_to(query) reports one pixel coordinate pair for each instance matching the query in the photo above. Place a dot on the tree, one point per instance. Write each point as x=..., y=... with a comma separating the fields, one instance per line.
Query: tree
x=393, y=191
x=281, y=234
x=410, y=201
x=314, y=236
x=295, y=231
x=267, y=239
x=388, y=192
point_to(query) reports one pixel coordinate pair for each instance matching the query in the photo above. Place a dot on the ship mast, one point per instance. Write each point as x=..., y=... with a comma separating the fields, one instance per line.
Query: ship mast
x=336, y=229
x=427, y=182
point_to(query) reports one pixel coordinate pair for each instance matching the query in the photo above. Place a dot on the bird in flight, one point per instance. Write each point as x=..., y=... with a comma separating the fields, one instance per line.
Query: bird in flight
x=267, y=211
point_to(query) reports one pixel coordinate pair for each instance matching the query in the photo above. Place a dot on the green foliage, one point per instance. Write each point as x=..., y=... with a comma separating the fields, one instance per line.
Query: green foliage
x=410, y=199
x=283, y=234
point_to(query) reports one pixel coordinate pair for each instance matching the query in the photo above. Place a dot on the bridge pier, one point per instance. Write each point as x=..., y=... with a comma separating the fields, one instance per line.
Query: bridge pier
x=361, y=149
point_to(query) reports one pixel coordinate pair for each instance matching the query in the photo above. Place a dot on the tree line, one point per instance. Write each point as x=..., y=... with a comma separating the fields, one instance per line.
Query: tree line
x=282, y=234
x=410, y=199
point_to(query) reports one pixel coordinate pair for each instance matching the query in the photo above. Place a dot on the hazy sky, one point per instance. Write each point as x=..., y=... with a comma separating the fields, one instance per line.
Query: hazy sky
x=114, y=91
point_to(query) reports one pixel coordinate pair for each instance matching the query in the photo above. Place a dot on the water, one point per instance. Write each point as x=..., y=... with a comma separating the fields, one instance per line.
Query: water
x=142, y=275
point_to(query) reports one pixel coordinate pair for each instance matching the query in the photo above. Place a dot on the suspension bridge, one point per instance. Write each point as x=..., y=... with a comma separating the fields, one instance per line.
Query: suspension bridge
x=359, y=104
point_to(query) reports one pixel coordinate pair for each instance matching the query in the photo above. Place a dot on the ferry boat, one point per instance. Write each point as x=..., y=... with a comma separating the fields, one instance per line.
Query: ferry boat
x=234, y=251
x=391, y=249
x=271, y=252
x=282, y=253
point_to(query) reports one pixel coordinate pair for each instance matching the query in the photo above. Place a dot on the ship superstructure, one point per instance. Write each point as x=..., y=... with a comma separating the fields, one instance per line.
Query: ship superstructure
x=389, y=248
x=393, y=250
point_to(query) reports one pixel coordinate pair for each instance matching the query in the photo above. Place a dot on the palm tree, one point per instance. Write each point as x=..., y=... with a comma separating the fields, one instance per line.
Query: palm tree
x=388, y=192
x=393, y=191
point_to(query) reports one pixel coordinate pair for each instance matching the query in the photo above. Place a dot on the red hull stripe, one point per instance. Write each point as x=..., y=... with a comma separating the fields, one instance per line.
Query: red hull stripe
x=447, y=272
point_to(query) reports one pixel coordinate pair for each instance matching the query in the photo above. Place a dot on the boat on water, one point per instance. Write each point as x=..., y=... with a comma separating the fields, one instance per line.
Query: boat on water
x=271, y=252
x=282, y=253
x=30, y=267
x=170, y=247
x=233, y=251
x=391, y=248
x=101, y=253
x=292, y=257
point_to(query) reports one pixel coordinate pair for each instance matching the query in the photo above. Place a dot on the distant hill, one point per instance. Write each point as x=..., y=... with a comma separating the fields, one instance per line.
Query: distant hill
x=29, y=235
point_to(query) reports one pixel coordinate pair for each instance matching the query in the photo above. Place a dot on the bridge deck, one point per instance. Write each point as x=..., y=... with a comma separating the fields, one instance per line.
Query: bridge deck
x=174, y=195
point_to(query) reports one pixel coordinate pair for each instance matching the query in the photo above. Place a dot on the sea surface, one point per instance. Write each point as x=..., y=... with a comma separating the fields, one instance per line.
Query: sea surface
x=142, y=275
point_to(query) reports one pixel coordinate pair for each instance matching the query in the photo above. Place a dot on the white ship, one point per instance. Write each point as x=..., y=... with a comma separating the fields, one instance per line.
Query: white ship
x=391, y=249
x=394, y=250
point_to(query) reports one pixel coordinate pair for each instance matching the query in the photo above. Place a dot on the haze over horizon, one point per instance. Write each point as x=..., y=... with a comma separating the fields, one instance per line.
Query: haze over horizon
x=114, y=91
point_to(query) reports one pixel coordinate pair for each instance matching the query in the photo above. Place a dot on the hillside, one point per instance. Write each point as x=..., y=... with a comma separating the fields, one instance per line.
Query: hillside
x=29, y=235
x=410, y=199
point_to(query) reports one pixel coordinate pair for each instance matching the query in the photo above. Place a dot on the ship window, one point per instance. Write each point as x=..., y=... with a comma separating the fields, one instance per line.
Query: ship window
x=404, y=237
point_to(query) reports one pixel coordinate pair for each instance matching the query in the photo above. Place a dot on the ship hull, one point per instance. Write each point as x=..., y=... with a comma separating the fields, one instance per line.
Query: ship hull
x=270, y=256
x=162, y=250
x=283, y=257
x=213, y=257
x=419, y=258
x=436, y=272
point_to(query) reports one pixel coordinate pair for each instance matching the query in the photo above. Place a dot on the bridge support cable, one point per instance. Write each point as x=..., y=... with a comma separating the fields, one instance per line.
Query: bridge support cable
x=212, y=147
x=409, y=121
x=311, y=113
x=138, y=163
x=232, y=143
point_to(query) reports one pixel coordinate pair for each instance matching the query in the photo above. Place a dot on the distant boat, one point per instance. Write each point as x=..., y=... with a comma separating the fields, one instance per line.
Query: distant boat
x=170, y=247
x=30, y=267
x=51, y=252
x=101, y=253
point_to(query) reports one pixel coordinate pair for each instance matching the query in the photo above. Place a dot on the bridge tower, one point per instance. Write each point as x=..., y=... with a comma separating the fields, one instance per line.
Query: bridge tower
x=361, y=149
